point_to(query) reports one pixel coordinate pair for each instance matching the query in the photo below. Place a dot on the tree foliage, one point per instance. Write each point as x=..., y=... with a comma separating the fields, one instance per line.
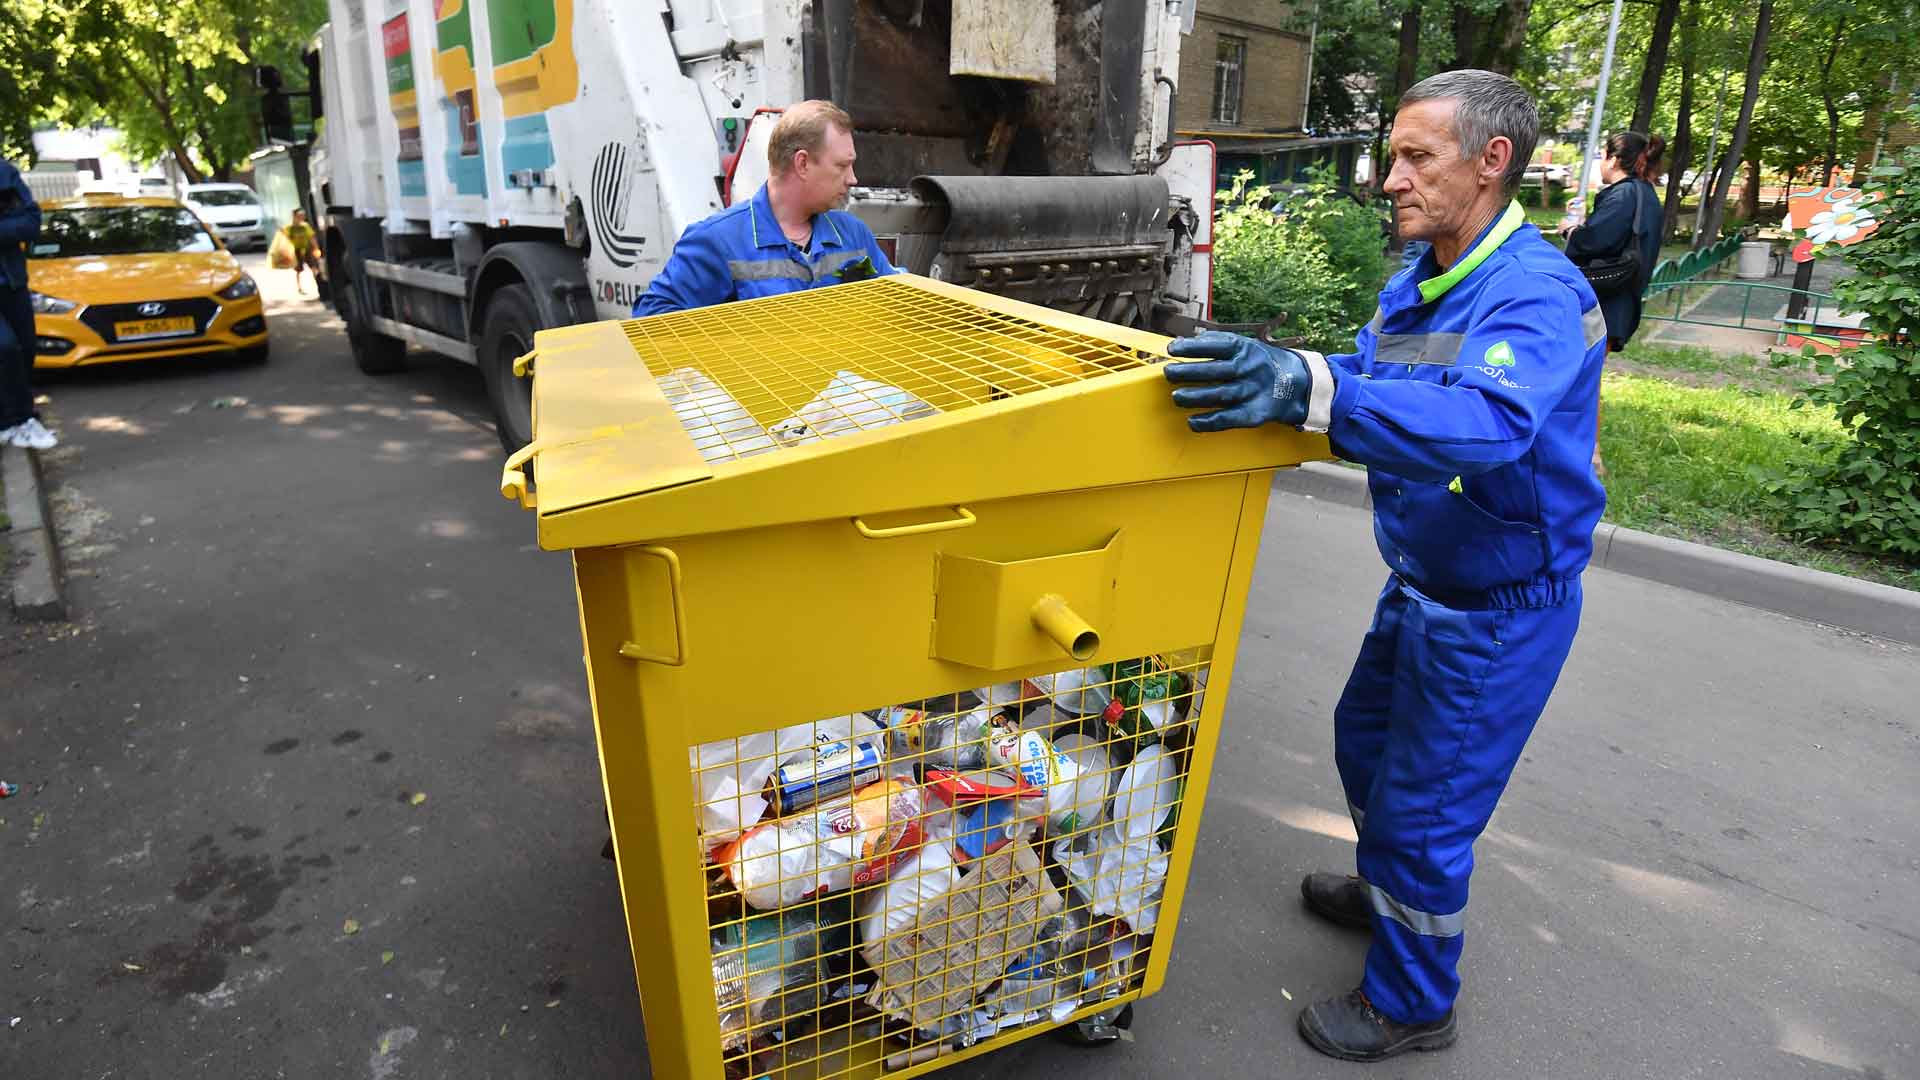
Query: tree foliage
x=1307, y=255
x=1866, y=494
x=1825, y=71
x=175, y=76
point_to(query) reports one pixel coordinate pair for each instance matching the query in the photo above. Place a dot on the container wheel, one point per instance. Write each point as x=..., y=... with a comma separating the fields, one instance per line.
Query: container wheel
x=1100, y=1029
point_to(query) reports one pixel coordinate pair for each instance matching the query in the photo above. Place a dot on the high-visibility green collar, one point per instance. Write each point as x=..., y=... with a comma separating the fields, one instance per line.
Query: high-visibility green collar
x=1435, y=287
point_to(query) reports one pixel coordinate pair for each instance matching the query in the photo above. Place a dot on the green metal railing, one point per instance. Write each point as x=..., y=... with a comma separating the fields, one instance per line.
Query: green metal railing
x=1693, y=264
x=1674, y=279
x=1718, y=308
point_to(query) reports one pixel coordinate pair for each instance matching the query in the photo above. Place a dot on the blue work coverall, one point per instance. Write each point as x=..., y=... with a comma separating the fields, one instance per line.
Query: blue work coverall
x=1472, y=399
x=19, y=226
x=740, y=253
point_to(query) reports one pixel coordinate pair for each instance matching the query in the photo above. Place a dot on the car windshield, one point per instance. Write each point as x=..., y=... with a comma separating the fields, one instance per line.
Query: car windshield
x=223, y=198
x=119, y=230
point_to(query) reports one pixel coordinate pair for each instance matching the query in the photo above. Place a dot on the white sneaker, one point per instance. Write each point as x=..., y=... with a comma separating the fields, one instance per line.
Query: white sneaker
x=31, y=434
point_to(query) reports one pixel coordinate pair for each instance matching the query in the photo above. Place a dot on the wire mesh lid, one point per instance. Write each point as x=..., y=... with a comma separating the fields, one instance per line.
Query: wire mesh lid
x=794, y=369
x=734, y=392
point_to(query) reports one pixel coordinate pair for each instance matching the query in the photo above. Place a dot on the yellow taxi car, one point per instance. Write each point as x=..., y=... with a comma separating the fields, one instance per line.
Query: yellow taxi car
x=116, y=278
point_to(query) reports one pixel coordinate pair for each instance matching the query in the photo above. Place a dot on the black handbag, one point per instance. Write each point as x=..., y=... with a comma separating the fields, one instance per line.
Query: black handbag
x=1612, y=275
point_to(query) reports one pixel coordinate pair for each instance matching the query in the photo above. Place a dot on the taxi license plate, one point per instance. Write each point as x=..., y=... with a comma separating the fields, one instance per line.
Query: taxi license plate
x=141, y=329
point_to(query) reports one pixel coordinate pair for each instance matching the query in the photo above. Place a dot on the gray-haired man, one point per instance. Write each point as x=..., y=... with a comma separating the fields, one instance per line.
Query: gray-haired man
x=1472, y=399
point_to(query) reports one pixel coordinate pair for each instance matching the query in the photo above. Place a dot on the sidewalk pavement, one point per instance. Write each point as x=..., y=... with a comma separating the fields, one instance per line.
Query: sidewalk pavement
x=37, y=585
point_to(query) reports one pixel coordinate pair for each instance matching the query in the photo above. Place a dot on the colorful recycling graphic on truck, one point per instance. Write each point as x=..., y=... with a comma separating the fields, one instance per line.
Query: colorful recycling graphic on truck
x=397, y=45
x=534, y=69
x=453, y=64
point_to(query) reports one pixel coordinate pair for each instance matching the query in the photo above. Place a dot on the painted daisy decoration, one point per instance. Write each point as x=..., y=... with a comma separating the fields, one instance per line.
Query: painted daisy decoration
x=1841, y=223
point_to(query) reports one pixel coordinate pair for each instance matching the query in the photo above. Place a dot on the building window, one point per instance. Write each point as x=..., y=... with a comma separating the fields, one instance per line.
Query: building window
x=1229, y=78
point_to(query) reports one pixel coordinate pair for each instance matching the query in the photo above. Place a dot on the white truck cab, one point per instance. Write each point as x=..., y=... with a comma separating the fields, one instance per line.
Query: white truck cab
x=494, y=167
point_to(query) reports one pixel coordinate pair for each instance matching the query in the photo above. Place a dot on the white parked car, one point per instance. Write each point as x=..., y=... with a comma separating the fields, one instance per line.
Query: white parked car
x=1537, y=174
x=233, y=211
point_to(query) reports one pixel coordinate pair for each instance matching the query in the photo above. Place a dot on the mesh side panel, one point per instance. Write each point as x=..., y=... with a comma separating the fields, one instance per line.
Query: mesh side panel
x=793, y=369
x=925, y=876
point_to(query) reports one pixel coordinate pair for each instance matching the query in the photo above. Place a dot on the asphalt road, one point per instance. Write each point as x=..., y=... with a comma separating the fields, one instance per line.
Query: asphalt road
x=302, y=605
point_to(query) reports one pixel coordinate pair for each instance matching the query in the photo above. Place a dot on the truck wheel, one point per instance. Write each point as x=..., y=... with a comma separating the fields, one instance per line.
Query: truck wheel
x=373, y=354
x=506, y=333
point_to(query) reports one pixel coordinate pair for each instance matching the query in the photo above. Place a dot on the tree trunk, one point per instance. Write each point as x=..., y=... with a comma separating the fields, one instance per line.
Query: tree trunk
x=1408, y=63
x=1833, y=109
x=1509, y=36
x=1682, y=150
x=1756, y=66
x=1655, y=67
x=1469, y=37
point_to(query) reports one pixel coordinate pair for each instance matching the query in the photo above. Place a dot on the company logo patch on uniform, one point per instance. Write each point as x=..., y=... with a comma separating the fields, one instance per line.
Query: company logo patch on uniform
x=1499, y=354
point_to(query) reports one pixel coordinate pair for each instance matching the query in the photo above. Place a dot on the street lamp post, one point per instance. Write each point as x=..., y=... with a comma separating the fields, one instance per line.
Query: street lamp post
x=1599, y=104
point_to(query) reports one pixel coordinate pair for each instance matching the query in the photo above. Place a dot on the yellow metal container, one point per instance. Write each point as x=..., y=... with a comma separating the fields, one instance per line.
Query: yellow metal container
x=899, y=601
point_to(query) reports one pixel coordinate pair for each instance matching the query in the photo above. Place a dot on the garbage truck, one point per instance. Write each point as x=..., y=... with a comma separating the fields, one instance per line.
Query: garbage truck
x=486, y=169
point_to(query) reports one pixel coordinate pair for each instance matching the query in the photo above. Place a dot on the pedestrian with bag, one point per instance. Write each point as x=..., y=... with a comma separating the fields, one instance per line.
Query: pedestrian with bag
x=1618, y=245
x=294, y=248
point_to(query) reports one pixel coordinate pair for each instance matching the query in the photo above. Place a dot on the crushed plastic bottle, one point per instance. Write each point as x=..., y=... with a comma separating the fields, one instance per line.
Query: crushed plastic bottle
x=945, y=742
x=767, y=970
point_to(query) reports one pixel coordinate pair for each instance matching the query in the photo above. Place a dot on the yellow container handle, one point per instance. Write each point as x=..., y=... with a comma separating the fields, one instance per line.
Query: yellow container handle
x=633, y=651
x=965, y=519
x=513, y=479
x=522, y=364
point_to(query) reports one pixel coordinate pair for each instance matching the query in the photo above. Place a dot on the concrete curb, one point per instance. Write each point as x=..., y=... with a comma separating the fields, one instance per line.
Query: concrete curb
x=39, y=582
x=1866, y=607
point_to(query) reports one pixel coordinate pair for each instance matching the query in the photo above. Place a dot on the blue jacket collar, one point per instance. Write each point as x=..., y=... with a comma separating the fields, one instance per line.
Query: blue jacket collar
x=766, y=228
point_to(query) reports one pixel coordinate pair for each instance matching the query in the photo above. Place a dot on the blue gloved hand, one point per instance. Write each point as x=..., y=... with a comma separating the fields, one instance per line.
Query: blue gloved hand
x=1251, y=383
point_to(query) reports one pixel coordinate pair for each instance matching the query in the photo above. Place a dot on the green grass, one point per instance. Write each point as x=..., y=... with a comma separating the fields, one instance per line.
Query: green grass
x=1696, y=366
x=1679, y=462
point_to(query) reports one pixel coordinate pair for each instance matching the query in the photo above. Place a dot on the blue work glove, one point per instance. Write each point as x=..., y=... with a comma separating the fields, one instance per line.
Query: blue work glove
x=1246, y=383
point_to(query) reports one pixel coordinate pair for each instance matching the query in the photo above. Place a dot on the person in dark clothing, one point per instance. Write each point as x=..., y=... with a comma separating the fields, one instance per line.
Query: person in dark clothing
x=1631, y=165
x=19, y=225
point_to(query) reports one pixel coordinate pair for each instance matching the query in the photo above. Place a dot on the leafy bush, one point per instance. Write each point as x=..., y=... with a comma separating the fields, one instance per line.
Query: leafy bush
x=1318, y=259
x=1867, y=493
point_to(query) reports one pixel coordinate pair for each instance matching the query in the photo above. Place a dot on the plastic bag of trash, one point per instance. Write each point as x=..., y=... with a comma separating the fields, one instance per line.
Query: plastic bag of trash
x=720, y=427
x=850, y=403
x=730, y=775
x=853, y=840
x=1116, y=875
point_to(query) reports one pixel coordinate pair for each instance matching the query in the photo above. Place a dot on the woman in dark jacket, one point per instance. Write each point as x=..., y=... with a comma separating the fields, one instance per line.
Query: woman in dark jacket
x=1632, y=163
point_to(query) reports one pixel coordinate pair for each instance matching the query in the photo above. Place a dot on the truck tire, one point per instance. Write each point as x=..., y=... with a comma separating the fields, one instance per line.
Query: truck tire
x=373, y=353
x=506, y=333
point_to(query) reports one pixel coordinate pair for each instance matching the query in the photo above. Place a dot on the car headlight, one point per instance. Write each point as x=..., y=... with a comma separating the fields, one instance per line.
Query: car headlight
x=242, y=287
x=50, y=305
